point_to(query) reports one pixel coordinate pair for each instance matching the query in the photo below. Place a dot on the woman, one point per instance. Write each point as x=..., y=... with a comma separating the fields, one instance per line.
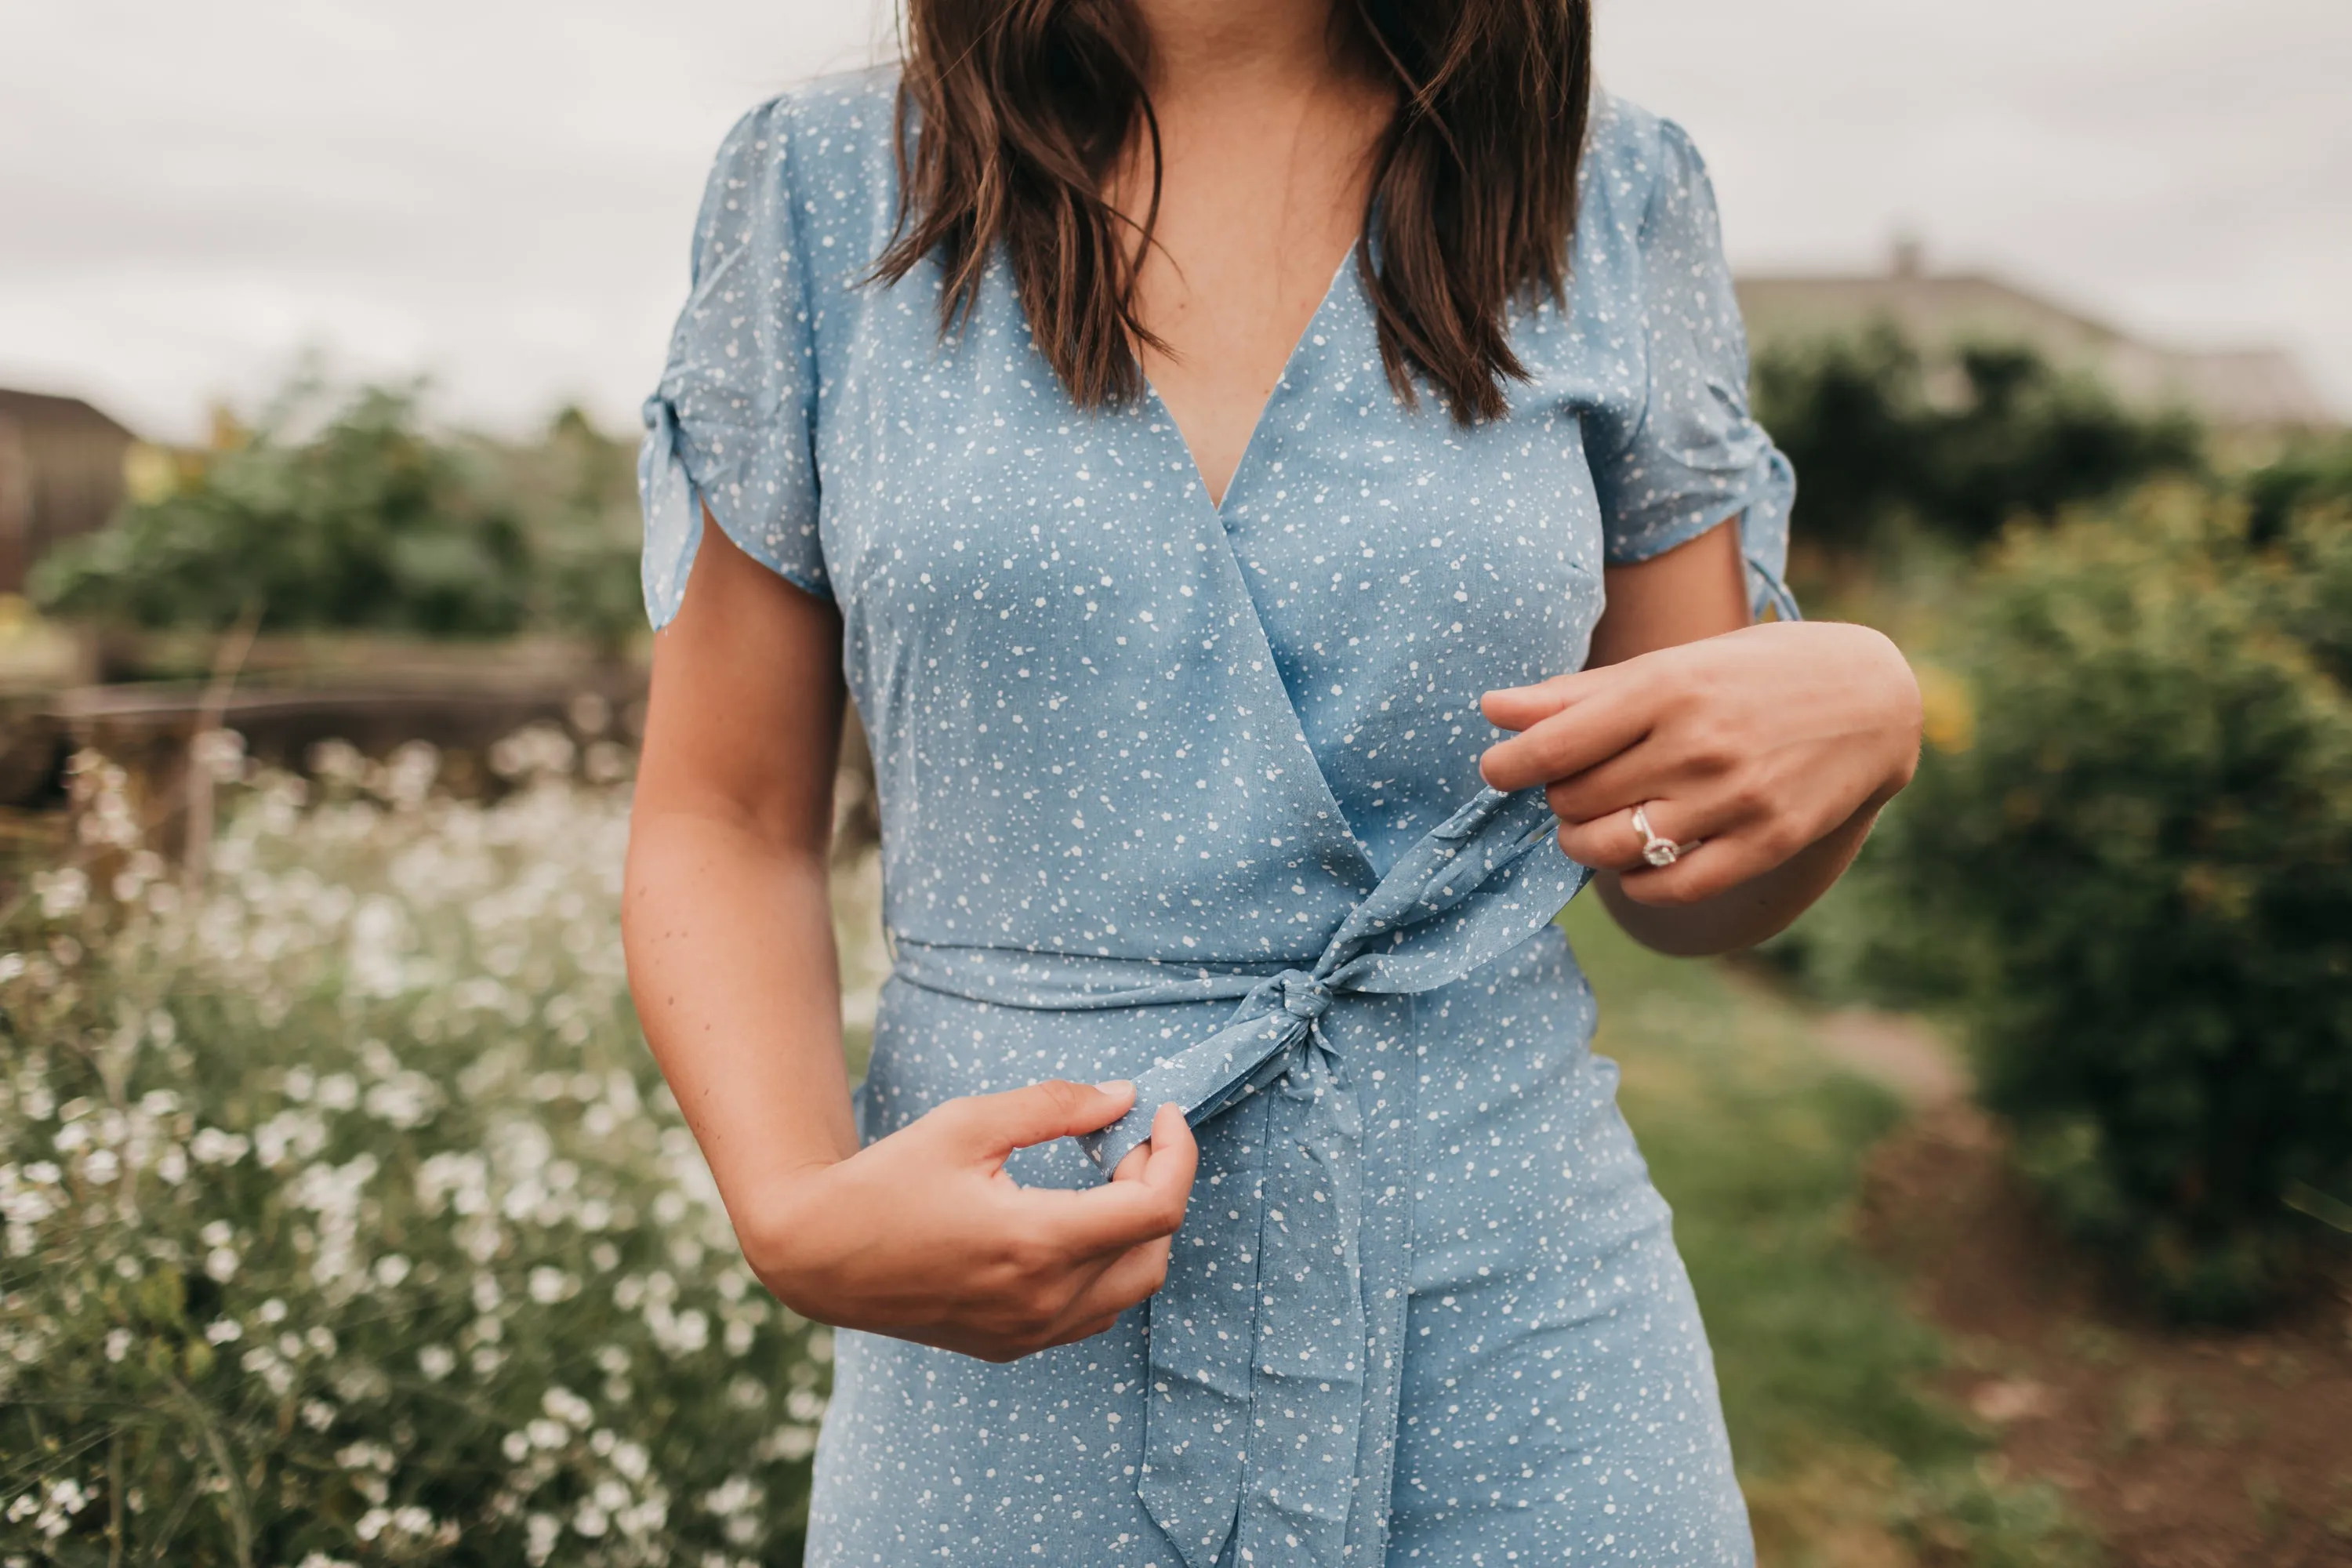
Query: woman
x=1167, y=418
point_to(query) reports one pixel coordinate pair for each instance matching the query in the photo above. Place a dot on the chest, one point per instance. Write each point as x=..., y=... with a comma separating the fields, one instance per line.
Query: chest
x=1258, y=199
x=1372, y=568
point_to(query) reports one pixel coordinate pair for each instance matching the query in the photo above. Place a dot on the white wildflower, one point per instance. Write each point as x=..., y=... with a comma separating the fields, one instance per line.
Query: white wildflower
x=737, y=1494
x=62, y=892
x=568, y=1407
x=541, y=1532
x=407, y=1100
x=211, y=1146
x=790, y=1444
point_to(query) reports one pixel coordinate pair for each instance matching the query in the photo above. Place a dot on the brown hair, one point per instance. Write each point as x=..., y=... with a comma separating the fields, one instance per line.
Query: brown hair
x=1023, y=107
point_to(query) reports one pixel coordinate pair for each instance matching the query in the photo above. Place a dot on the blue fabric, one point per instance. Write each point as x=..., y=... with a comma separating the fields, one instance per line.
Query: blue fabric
x=1187, y=795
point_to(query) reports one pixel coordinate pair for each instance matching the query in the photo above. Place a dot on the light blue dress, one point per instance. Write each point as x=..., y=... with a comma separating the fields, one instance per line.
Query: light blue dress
x=1190, y=795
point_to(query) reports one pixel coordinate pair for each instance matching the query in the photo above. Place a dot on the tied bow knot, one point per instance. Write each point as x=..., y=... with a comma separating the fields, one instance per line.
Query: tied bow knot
x=1303, y=996
x=1276, y=1345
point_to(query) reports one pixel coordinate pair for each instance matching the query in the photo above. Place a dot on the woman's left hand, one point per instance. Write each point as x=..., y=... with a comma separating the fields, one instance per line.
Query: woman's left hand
x=1753, y=745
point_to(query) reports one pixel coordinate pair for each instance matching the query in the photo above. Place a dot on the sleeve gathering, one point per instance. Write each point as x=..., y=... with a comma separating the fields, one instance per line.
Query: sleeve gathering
x=1692, y=456
x=732, y=426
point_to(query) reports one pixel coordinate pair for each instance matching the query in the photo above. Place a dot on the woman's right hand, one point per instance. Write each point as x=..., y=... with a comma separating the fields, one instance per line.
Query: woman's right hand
x=922, y=1236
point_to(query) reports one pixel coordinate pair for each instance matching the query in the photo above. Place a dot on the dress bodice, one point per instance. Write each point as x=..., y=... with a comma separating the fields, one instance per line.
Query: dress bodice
x=1109, y=718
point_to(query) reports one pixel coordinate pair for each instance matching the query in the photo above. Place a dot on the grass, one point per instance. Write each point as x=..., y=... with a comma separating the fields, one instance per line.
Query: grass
x=1847, y=1456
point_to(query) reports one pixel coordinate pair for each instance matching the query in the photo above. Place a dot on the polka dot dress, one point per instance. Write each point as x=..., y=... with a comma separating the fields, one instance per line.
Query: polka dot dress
x=1188, y=793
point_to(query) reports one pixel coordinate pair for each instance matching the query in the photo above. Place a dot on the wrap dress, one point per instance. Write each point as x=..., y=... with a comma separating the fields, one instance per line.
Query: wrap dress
x=1188, y=793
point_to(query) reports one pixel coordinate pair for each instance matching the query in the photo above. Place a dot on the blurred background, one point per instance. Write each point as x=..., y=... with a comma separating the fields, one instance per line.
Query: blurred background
x=345, y=1218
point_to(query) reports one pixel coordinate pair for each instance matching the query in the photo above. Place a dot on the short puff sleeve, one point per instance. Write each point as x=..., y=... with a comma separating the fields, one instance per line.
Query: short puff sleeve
x=1691, y=456
x=733, y=424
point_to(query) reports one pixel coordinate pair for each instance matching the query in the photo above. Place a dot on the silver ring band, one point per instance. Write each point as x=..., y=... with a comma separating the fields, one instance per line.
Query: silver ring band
x=1659, y=853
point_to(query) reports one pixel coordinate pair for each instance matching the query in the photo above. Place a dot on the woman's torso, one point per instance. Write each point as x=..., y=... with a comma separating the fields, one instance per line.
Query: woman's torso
x=1115, y=726
x=1109, y=717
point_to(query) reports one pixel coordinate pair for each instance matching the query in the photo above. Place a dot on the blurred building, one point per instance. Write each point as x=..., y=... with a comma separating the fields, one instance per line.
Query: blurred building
x=2234, y=390
x=61, y=473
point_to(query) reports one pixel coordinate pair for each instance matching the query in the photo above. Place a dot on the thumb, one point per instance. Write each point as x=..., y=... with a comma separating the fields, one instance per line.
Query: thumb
x=996, y=1125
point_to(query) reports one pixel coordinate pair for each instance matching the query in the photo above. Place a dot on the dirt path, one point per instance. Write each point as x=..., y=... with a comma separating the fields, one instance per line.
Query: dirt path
x=2184, y=1450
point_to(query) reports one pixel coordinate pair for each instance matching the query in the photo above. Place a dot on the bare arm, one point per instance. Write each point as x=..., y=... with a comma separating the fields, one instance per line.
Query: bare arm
x=1775, y=745
x=727, y=914
x=729, y=931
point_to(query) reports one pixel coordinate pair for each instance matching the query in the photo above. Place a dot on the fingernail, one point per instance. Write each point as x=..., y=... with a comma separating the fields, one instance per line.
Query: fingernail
x=1117, y=1086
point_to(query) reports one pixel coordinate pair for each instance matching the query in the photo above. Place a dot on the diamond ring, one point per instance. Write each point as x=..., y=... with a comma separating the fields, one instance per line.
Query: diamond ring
x=1659, y=852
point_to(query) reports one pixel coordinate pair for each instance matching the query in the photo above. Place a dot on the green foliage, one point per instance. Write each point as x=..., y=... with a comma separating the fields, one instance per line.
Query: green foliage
x=2133, y=867
x=350, y=515
x=345, y=1217
x=2316, y=474
x=1874, y=445
x=1827, y=1379
x=578, y=490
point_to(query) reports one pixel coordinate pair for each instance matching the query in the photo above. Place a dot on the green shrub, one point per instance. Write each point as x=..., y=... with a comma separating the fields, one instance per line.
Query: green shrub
x=2133, y=865
x=345, y=512
x=1878, y=442
x=345, y=1217
x=2313, y=475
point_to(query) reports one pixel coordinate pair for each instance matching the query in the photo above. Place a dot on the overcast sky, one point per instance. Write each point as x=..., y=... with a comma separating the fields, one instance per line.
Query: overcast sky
x=499, y=194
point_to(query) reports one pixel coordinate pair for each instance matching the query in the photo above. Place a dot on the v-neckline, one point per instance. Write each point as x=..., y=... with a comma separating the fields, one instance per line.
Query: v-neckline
x=1361, y=868
x=1216, y=504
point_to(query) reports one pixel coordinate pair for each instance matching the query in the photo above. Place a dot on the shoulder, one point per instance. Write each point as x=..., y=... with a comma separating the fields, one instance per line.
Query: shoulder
x=833, y=128
x=1636, y=164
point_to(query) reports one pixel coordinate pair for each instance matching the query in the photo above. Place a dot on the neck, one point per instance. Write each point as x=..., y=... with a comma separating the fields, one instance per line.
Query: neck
x=1214, y=47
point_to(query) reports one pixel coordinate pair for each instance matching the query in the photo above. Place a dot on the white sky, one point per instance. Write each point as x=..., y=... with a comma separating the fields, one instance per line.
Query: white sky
x=499, y=194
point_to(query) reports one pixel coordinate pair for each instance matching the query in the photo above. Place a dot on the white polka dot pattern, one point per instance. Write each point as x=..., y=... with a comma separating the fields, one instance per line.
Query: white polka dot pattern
x=1118, y=729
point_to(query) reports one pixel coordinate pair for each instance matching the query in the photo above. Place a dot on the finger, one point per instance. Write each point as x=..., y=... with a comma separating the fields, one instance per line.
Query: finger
x=1172, y=1139
x=1130, y=1169
x=1716, y=866
x=1135, y=1278
x=1596, y=729
x=1613, y=842
x=1146, y=1206
x=1608, y=843
x=1175, y=1157
x=1518, y=707
x=1664, y=766
x=992, y=1125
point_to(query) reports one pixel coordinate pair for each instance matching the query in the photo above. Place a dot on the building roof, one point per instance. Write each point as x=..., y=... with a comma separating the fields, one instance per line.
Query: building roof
x=2248, y=388
x=40, y=411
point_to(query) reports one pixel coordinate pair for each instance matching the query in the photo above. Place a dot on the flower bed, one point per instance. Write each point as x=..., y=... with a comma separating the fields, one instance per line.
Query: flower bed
x=346, y=1218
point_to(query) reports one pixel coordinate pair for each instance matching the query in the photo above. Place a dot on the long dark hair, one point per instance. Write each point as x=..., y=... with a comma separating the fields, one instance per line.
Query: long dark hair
x=1022, y=107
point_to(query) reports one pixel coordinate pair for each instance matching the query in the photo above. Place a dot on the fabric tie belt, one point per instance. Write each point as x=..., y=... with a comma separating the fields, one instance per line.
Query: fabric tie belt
x=1275, y=1344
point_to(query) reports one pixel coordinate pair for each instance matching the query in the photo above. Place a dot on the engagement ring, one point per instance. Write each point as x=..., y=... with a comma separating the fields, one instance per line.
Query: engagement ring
x=1659, y=852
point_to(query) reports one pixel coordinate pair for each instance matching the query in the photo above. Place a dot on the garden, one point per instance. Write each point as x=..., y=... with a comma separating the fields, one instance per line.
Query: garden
x=347, y=1221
